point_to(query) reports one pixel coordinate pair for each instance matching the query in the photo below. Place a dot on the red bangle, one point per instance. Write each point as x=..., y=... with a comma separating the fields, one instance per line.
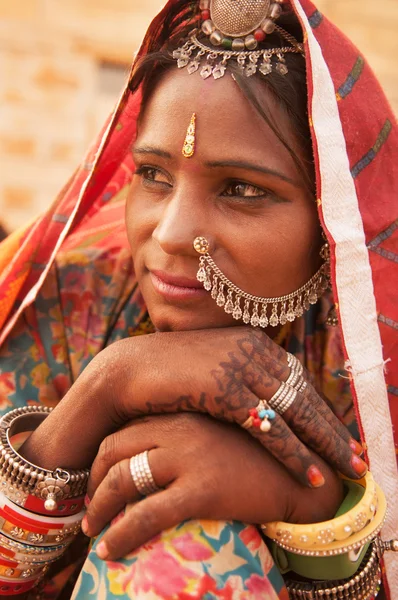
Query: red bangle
x=17, y=523
x=16, y=570
x=66, y=508
x=21, y=497
x=13, y=588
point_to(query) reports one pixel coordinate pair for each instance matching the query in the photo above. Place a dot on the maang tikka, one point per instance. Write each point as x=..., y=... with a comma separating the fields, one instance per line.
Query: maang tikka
x=188, y=149
x=234, y=31
x=256, y=310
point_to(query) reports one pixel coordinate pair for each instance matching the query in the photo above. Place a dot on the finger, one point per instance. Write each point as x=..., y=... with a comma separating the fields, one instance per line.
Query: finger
x=306, y=417
x=275, y=360
x=118, y=489
x=147, y=519
x=125, y=443
x=324, y=409
x=315, y=424
x=327, y=412
x=286, y=447
x=276, y=363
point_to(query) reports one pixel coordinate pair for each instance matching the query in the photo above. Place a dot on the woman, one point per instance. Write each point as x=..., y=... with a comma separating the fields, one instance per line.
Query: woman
x=228, y=159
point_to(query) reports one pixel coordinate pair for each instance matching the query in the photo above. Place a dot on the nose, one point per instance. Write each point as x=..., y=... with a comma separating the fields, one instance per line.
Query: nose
x=183, y=219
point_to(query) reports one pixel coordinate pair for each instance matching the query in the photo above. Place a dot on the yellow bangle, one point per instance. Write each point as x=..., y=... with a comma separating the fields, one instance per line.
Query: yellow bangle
x=328, y=535
x=354, y=543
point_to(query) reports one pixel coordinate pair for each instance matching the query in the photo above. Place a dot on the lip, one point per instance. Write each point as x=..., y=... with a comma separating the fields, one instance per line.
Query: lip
x=176, y=287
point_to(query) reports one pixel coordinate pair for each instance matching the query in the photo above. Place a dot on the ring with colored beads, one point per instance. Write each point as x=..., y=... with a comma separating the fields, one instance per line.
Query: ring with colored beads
x=260, y=417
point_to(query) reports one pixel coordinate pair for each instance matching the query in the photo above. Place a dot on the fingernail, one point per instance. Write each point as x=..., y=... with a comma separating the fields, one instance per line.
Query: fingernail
x=84, y=525
x=102, y=550
x=86, y=501
x=315, y=477
x=360, y=467
x=356, y=447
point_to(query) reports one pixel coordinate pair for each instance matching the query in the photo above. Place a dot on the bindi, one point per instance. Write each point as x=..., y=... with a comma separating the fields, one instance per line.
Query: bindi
x=188, y=149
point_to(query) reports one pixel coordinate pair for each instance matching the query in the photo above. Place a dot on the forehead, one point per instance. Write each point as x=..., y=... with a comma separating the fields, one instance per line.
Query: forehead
x=226, y=119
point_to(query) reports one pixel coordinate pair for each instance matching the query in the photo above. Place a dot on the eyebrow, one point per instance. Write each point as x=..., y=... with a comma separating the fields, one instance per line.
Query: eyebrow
x=150, y=150
x=250, y=167
x=220, y=163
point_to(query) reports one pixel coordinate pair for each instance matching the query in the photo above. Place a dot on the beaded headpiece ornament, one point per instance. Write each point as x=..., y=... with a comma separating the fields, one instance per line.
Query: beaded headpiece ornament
x=234, y=30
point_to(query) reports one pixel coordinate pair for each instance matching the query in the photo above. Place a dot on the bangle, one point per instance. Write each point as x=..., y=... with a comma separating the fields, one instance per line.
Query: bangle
x=29, y=554
x=17, y=523
x=15, y=587
x=354, y=542
x=29, y=479
x=338, y=559
x=68, y=506
x=363, y=586
x=15, y=570
x=316, y=538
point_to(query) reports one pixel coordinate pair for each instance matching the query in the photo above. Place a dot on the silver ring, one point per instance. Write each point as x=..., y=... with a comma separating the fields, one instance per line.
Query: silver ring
x=295, y=379
x=279, y=395
x=142, y=474
x=301, y=385
x=292, y=360
x=288, y=401
x=283, y=398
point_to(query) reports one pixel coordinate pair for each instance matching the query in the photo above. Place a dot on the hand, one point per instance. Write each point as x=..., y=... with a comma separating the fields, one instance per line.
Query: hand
x=209, y=470
x=223, y=372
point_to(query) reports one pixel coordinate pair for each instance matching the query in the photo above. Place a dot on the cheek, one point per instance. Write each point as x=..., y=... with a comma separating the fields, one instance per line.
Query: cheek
x=281, y=254
x=140, y=220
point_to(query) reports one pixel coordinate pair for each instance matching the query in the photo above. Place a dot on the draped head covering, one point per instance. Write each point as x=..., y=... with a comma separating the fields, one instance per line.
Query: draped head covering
x=354, y=138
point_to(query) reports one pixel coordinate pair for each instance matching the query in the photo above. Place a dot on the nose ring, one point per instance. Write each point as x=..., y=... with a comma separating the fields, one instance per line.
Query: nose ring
x=201, y=245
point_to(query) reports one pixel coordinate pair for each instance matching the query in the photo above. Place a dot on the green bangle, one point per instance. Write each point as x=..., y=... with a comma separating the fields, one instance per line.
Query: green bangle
x=340, y=566
x=325, y=568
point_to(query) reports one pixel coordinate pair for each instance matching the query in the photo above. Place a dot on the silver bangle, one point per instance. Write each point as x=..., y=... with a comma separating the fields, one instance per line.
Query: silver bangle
x=49, y=486
x=364, y=585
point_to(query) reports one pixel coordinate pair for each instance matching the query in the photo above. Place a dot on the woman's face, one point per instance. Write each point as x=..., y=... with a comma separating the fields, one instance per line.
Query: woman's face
x=241, y=190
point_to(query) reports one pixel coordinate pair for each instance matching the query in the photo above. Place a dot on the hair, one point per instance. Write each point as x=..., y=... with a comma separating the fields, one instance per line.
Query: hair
x=170, y=31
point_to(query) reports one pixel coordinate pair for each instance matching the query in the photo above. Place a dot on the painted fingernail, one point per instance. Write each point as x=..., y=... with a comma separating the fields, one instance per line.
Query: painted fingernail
x=360, y=467
x=84, y=525
x=86, y=501
x=356, y=447
x=315, y=477
x=102, y=550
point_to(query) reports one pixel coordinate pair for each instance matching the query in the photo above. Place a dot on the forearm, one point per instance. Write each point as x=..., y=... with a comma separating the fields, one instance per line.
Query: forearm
x=110, y=392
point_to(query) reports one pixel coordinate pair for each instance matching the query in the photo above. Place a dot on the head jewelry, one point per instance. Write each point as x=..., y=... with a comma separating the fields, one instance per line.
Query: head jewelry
x=234, y=30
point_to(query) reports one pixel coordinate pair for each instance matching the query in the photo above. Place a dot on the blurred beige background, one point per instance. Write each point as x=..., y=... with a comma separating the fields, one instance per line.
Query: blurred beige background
x=63, y=63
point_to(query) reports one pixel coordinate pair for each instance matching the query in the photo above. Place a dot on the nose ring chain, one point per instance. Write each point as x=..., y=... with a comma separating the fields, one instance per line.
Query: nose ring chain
x=257, y=310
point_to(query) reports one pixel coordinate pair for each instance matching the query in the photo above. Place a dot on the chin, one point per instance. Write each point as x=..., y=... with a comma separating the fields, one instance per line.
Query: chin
x=174, y=319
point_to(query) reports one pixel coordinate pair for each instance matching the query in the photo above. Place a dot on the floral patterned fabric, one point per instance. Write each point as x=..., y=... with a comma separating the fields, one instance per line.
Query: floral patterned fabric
x=198, y=559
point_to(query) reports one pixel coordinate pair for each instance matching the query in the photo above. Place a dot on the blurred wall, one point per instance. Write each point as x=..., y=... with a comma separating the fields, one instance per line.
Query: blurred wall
x=63, y=63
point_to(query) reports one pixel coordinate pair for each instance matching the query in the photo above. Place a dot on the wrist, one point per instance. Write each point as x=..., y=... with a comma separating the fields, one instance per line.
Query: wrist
x=336, y=548
x=41, y=510
x=312, y=505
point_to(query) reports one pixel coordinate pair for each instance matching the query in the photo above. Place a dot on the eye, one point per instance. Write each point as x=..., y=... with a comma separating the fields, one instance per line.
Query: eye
x=240, y=189
x=152, y=177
